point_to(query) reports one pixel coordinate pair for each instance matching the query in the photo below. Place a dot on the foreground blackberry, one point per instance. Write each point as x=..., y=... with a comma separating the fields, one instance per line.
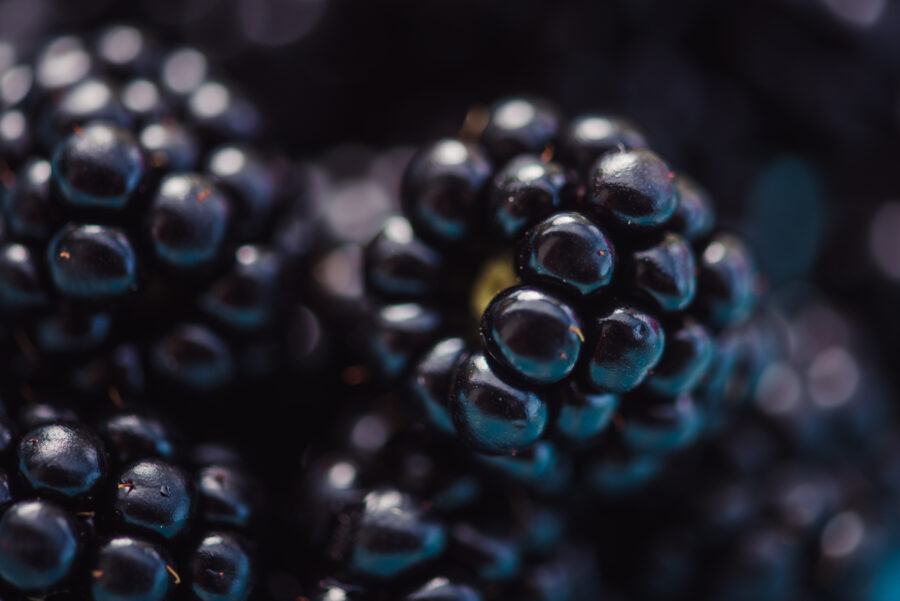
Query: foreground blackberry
x=549, y=279
x=120, y=509
x=137, y=209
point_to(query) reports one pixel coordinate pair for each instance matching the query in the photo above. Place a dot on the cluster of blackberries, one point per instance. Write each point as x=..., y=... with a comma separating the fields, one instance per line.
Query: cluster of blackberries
x=137, y=214
x=549, y=279
x=556, y=303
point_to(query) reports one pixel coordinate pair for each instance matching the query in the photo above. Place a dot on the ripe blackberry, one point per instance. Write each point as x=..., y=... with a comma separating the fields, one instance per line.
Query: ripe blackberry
x=138, y=210
x=594, y=276
x=397, y=515
x=116, y=507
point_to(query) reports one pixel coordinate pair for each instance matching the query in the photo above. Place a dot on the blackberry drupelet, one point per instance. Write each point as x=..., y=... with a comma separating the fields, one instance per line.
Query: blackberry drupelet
x=138, y=212
x=117, y=507
x=556, y=285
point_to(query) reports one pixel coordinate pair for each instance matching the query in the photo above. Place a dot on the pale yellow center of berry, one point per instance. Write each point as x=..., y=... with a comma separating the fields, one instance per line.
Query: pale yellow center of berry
x=496, y=274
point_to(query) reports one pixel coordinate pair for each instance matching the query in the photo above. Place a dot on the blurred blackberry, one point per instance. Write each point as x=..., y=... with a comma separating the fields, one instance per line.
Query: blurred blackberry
x=389, y=513
x=116, y=506
x=594, y=275
x=792, y=500
x=348, y=194
x=137, y=209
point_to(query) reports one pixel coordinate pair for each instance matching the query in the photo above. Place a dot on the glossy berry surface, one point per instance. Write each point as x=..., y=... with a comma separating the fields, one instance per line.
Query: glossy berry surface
x=92, y=261
x=525, y=190
x=62, y=459
x=532, y=333
x=98, y=166
x=154, y=497
x=129, y=568
x=188, y=220
x=490, y=414
x=39, y=545
x=634, y=187
x=220, y=569
x=568, y=250
x=624, y=346
x=432, y=379
x=666, y=272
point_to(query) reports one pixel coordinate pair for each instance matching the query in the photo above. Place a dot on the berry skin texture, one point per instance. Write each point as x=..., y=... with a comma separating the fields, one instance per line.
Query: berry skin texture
x=533, y=334
x=92, y=261
x=624, y=346
x=393, y=537
x=188, y=220
x=62, y=459
x=154, y=497
x=526, y=190
x=569, y=251
x=634, y=187
x=225, y=496
x=86, y=531
x=491, y=415
x=220, y=569
x=130, y=569
x=442, y=188
x=665, y=272
x=98, y=167
x=39, y=545
x=431, y=381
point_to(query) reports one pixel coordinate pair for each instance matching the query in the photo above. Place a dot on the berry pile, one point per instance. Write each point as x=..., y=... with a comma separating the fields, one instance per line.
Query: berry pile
x=549, y=279
x=136, y=221
x=120, y=508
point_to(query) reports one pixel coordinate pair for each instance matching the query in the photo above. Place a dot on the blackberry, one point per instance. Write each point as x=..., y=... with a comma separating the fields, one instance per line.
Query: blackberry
x=115, y=506
x=549, y=280
x=138, y=210
x=789, y=501
x=395, y=514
